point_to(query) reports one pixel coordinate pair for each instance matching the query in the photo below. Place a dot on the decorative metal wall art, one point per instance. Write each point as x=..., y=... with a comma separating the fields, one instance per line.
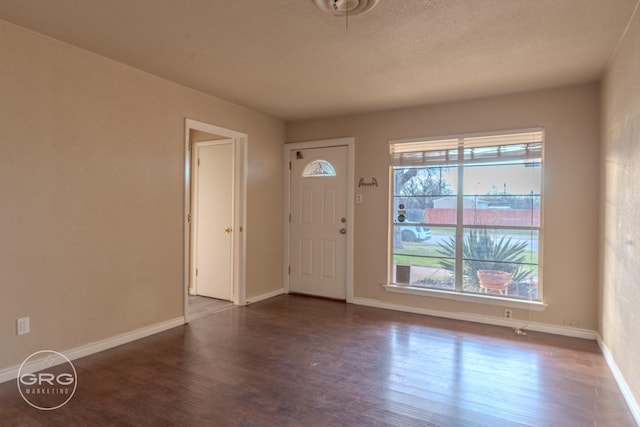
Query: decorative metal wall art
x=372, y=183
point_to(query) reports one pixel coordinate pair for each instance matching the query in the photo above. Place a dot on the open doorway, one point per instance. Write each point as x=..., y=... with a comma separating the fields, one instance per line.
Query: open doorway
x=214, y=218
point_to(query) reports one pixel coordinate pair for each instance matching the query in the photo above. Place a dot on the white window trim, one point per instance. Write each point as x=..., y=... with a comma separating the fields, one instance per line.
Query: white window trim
x=490, y=299
x=467, y=297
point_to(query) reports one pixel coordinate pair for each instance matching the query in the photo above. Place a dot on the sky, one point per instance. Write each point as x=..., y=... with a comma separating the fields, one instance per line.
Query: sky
x=484, y=179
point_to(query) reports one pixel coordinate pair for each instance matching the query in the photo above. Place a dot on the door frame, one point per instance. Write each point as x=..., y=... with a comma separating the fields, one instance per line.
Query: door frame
x=240, y=144
x=349, y=142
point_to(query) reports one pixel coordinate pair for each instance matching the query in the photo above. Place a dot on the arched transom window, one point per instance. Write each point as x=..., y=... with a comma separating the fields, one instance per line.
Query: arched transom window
x=317, y=168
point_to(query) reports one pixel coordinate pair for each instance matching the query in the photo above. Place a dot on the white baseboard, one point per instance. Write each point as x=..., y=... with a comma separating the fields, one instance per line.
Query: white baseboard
x=11, y=373
x=265, y=296
x=632, y=403
x=478, y=318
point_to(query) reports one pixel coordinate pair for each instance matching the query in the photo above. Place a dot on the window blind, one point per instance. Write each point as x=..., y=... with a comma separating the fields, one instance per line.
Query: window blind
x=513, y=146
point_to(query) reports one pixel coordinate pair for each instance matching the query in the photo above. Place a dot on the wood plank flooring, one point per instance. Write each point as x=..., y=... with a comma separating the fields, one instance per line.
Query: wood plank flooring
x=300, y=361
x=200, y=306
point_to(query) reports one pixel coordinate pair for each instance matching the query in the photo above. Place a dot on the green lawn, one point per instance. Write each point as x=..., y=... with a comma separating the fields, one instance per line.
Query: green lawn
x=416, y=254
x=421, y=262
x=425, y=255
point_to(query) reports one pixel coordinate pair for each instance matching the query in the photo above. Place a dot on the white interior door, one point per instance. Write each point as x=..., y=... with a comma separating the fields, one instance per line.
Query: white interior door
x=319, y=226
x=213, y=218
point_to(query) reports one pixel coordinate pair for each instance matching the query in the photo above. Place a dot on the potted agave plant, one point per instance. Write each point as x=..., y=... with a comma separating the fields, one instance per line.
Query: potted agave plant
x=491, y=263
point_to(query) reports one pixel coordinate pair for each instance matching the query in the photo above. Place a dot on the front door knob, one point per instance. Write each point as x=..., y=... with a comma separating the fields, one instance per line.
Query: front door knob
x=343, y=231
x=227, y=230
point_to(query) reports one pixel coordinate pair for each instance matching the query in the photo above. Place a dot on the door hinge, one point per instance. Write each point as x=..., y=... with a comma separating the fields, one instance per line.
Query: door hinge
x=289, y=270
x=289, y=217
x=196, y=271
x=189, y=218
x=190, y=145
x=198, y=162
x=289, y=165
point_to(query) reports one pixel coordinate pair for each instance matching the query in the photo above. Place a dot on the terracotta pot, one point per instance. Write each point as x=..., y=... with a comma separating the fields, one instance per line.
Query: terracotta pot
x=494, y=279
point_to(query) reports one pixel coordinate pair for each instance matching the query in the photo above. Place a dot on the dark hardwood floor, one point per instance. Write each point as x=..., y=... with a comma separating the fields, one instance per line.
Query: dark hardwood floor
x=296, y=360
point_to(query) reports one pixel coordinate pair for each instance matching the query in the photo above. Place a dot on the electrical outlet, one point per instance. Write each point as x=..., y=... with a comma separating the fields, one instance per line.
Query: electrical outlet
x=22, y=326
x=358, y=198
x=507, y=313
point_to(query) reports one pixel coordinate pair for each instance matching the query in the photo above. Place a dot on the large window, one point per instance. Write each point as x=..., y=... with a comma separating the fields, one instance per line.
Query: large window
x=466, y=214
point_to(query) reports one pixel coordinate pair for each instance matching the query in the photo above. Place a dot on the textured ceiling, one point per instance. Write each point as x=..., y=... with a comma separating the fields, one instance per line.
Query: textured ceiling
x=289, y=60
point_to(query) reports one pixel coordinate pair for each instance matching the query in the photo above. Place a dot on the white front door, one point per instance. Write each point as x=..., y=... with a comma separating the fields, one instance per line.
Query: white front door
x=318, y=246
x=213, y=218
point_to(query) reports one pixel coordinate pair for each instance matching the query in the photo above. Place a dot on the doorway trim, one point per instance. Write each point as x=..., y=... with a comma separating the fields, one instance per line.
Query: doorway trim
x=240, y=143
x=349, y=142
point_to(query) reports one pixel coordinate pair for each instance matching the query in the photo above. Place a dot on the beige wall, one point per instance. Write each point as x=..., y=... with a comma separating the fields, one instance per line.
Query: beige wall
x=91, y=187
x=571, y=119
x=620, y=271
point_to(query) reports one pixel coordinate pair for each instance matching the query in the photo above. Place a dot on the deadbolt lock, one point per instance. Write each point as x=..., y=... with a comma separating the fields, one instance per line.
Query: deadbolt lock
x=227, y=230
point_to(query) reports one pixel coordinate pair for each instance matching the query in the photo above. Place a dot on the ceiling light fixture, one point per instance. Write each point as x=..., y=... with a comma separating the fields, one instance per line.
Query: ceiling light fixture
x=344, y=8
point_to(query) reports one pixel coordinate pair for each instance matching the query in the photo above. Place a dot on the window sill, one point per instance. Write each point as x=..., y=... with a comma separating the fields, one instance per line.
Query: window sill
x=475, y=298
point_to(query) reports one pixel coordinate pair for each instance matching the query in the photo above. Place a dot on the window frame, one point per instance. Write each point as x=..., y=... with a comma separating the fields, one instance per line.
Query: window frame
x=459, y=293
